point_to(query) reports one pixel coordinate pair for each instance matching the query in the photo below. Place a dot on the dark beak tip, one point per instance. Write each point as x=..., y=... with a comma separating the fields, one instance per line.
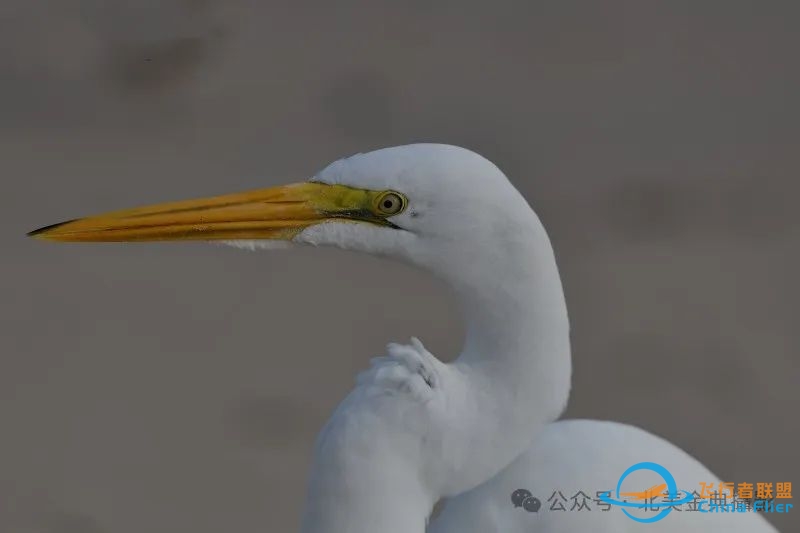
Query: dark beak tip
x=40, y=232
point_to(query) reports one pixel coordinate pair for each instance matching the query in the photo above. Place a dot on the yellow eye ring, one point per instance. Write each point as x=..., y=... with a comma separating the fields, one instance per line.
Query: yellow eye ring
x=390, y=203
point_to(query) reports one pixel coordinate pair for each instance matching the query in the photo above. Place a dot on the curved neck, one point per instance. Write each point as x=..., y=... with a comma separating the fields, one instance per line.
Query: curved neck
x=511, y=378
x=516, y=357
x=513, y=306
x=516, y=316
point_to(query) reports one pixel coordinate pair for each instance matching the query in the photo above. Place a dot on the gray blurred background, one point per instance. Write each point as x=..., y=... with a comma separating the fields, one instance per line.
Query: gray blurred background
x=179, y=388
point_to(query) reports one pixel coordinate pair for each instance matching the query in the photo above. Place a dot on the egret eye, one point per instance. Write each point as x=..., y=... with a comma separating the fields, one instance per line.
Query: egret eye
x=391, y=203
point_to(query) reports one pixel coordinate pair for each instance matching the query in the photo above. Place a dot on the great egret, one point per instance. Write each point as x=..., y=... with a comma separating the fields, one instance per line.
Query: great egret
x=414, y=429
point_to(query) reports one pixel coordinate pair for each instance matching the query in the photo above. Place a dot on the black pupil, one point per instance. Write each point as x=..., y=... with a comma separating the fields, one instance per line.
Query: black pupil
x=388, y=203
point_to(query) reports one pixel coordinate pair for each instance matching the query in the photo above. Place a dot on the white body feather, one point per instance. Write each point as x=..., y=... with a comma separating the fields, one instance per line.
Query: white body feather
x=415, y=430
x=589, y=456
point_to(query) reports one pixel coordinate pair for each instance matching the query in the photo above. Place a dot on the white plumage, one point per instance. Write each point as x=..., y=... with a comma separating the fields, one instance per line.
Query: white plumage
x=571, y=456
x=415, y=430
x=414, y=427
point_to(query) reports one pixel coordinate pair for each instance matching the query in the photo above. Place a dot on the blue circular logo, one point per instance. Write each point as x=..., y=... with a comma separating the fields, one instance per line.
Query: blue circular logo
x=666, y=507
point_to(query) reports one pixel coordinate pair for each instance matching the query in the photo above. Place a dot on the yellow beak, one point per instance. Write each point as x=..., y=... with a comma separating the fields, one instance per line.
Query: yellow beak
x=274, y=213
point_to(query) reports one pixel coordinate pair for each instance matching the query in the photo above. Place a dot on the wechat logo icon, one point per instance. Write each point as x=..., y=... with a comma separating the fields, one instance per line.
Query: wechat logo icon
x=523, y=498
